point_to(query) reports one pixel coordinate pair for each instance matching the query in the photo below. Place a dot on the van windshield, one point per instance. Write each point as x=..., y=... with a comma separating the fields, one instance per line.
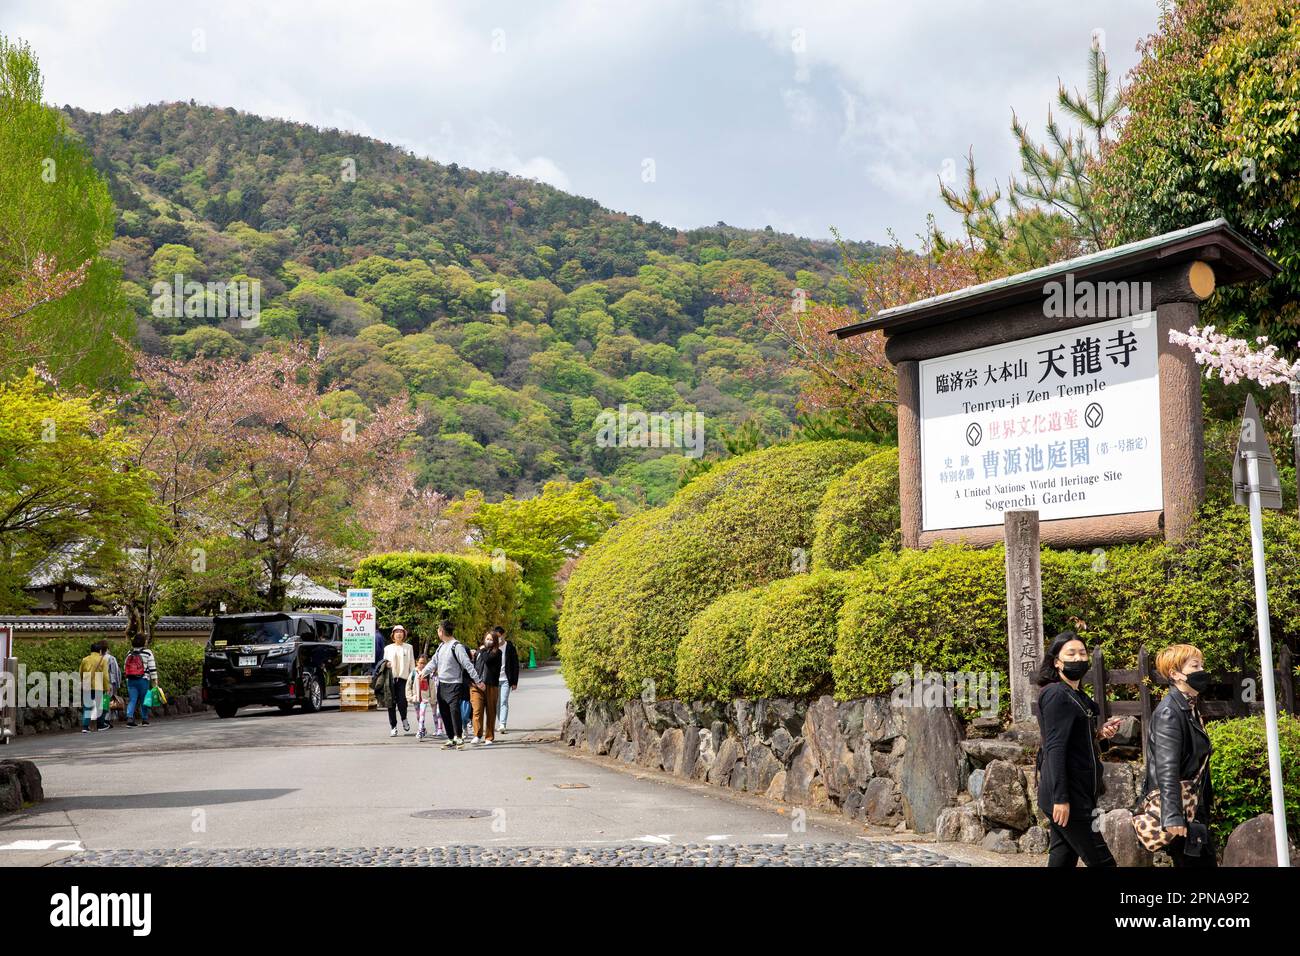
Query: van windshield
x=271, y=629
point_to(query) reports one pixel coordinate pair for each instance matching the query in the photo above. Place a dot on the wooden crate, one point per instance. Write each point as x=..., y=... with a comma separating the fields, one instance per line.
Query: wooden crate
x=355, y=693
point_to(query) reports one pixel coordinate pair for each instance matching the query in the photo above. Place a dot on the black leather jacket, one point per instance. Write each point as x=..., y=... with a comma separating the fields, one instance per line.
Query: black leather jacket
x=1177, y=745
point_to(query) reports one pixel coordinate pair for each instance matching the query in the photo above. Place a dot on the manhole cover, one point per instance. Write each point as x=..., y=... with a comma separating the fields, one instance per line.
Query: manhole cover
x=573, y=786
x=451, y=813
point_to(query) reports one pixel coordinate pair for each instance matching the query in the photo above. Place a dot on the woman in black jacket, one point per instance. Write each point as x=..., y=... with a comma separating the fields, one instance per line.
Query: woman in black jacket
x=1178, y=749
x=1069, y=765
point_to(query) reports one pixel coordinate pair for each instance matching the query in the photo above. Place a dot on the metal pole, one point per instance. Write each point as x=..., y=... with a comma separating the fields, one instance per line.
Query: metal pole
x=1266, y=663
x=9, y=694
x=1295, y=431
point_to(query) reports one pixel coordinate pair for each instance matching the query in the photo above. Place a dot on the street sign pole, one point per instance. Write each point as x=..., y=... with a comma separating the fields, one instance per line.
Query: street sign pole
x=1266, y=664
x=1258, y=485
x=8, y=686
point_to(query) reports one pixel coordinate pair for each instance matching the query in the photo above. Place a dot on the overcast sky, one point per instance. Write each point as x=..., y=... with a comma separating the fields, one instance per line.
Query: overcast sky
x=799, y=115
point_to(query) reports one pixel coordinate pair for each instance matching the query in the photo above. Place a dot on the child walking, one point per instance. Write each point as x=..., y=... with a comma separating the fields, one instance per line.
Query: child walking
x=420, y=692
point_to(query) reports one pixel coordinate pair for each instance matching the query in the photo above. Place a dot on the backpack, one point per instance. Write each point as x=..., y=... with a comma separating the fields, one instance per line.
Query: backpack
x=464, y=674
x=134, y=664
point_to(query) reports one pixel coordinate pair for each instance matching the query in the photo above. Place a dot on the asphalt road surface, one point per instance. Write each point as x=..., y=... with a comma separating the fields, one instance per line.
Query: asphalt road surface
x=333, y=787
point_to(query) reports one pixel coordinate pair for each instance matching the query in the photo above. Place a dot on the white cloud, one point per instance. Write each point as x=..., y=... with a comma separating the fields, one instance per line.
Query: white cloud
x=575, y=92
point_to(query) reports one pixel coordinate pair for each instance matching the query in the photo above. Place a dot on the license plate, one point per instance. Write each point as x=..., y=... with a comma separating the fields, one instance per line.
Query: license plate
x=248, y=661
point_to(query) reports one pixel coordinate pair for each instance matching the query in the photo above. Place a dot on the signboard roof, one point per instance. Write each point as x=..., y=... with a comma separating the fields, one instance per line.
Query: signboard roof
x=1238, y=260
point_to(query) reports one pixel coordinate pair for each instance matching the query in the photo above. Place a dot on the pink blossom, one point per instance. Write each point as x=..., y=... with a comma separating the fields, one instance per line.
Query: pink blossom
x=1234, y=359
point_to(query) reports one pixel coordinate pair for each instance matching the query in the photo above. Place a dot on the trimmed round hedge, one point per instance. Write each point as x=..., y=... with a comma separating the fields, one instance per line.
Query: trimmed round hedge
x=859, y=514
x=711, y=656
x=770, y=641
x=632, y=598
x=790, y=645
x=943, y=609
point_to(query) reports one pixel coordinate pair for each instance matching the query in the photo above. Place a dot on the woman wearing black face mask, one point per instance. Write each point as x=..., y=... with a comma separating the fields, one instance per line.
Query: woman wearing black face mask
x=1069, y=765
x=1178, y=749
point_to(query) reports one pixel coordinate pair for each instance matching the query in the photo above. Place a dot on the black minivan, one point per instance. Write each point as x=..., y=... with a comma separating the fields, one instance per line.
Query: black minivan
x=281, y=658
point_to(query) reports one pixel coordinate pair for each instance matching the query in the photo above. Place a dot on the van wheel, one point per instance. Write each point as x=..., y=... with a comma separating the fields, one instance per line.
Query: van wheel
x=312, y=692
x=225, y=711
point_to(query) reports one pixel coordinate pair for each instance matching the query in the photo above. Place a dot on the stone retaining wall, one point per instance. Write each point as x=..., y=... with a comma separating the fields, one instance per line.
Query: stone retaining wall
x=45, y=720
x=873, y=762
x=914, y=768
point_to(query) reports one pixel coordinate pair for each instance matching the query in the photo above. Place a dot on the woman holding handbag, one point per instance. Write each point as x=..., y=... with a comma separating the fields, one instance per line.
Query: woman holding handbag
x=1069, y=762
x=1174, y=813
x=400, y=661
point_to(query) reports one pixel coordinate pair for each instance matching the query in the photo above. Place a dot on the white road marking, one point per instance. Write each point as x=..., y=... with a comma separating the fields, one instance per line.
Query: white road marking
x=70, y=845
x=661, y=838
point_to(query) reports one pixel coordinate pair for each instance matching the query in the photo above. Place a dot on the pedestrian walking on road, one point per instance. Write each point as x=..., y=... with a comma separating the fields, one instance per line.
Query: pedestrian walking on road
x=484, y=698
x=114, y=682
x=141, y=670
x=1178, y=750
x=466, y=685
x=1069, y=761
x=420, y=694
x=509, y=675
x=94, y=684
x=401, y=664
x=451, y=666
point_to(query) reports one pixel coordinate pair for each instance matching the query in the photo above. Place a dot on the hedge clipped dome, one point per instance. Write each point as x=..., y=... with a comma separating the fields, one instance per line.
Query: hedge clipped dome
x=711, y=657
x=789, y=650
x=770, y=641
x=859, y=514
x=943, y=608
x=745, y=522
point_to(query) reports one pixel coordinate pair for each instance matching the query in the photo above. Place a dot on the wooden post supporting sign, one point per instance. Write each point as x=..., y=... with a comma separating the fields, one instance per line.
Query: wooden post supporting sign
x=1024, y=609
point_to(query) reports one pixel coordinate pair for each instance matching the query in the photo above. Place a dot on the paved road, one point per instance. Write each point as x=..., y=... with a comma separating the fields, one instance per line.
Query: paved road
x=279, y=787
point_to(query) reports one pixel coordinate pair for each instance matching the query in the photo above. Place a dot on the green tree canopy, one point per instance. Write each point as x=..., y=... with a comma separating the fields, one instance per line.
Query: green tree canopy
x=56, y=211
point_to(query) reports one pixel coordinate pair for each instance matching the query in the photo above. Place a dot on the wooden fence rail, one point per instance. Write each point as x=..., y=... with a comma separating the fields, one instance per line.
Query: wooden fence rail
x=1144, y=677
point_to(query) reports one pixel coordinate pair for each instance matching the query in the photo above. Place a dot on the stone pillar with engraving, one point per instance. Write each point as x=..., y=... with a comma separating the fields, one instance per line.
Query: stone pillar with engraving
x=1024, y=609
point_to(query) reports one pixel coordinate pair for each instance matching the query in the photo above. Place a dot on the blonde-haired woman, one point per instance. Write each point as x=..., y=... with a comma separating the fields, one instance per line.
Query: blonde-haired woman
x=401, y=662
x=1178, y=749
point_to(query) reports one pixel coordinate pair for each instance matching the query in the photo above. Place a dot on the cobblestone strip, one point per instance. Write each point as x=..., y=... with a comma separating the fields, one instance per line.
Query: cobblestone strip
x=687, y=854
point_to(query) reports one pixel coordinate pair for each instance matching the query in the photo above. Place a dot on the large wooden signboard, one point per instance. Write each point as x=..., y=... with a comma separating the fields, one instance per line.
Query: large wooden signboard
x=1066, y=424
x=1059, y=391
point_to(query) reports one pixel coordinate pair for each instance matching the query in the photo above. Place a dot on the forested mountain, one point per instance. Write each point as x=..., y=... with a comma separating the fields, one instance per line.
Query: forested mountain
x=512, y=313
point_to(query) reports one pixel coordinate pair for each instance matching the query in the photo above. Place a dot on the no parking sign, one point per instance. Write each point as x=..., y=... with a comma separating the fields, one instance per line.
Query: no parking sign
x=359, y=635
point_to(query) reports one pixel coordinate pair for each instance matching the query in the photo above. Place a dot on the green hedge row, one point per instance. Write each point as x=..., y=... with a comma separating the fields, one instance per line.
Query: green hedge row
x=745, y=522
x=944, y=609
x=180, y=662
x=417, y=589
x=1239, y=772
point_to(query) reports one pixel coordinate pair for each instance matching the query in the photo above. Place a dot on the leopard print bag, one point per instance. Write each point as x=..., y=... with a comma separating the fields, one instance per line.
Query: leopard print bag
x=1146, y=818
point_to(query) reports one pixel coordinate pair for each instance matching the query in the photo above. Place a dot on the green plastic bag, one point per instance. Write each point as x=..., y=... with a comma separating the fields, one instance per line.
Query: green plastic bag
x=154, y=697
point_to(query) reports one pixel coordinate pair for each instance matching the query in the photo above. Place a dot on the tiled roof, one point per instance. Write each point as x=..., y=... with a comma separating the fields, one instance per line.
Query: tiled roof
x=303, y=590
x=96, y=623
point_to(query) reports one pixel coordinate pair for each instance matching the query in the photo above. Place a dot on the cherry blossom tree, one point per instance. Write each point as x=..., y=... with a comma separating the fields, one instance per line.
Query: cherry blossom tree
x=247, y=465
x=1236, y=360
